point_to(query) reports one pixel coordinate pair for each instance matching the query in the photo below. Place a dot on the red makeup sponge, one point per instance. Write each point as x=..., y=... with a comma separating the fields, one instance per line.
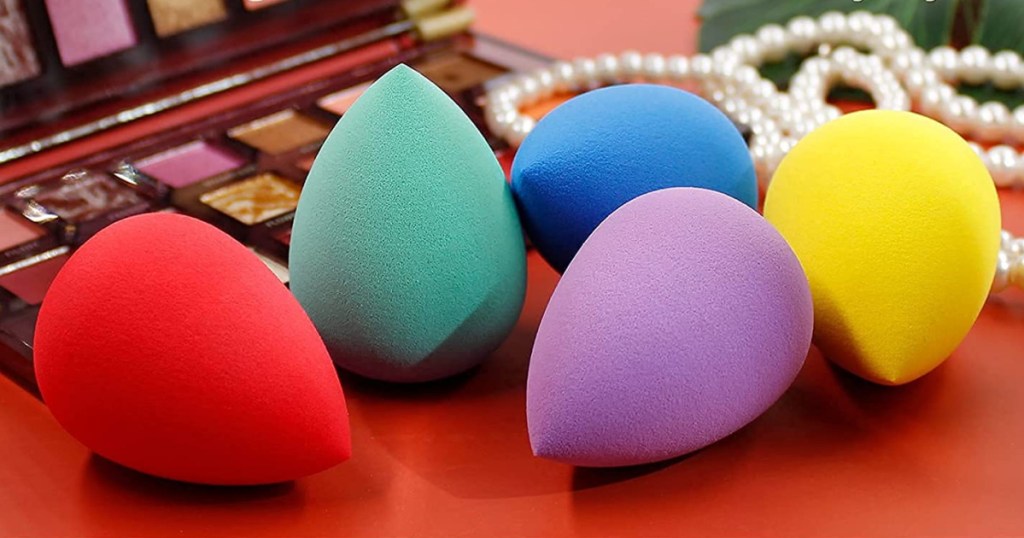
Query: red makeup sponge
x=167, y=347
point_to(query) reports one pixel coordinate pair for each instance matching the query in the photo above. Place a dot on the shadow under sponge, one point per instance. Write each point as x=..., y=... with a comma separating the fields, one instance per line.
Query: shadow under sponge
x=603, y=148
x=683, y=318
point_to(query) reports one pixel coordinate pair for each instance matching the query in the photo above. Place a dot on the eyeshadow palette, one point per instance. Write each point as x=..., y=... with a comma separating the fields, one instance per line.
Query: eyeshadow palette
x=239, y=165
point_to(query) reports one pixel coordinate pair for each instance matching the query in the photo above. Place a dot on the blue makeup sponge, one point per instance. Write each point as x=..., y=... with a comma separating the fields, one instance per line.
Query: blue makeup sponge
x=406, y=250
x=601, y=149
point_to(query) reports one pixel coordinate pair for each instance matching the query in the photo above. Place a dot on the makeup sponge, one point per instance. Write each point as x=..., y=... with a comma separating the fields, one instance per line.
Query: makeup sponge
x=682, y=318
x=167, y=347
x=896, y=222
x=603, y=148
x=406, y=248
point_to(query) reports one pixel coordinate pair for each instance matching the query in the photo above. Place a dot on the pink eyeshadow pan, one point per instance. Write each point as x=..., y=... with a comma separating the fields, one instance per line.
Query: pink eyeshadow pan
x=188, y=164
x=30, y=283
x=16, y=230
x=90, y=29
x=340, y=102
x=253, y=5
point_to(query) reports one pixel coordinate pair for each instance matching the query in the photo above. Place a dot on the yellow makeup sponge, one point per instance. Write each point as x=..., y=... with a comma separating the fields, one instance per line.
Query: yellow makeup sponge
x=896, y=223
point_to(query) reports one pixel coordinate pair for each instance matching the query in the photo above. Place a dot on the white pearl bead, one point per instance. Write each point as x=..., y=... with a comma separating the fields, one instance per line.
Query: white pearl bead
x=746, y=48
x=935, y=99
x=804, y=32
x=530, y=87
x=1007, y=70
x=859, y=22
x=908, y=61
x=892, y=43
x=773, y=42
x=974, y=62
x=1005, y=238
x=886, y=23
x=764, y=91
x=1016, y=247
x=607, y=68
x=993, y=120
x=498, y=119
x=945, y=61
x=678, y=68
x=586, y=72
x=833, y=26
x=564, y=76
x=1003, y=165
x=747, y=75
x=631, y=63
x=519, y=128
x=960, y=113
x=1002, y=277
x=1017, y=124
x=701, y=65
x=919, y=79
x=654, y=67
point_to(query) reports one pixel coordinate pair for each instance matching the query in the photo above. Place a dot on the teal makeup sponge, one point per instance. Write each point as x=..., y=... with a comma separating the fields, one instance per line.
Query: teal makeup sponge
x=603, y=148
x=407, y=252
x=684, y=317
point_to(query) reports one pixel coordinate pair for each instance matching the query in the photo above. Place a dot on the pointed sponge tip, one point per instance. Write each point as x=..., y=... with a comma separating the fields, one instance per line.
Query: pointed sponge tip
x=407, y=251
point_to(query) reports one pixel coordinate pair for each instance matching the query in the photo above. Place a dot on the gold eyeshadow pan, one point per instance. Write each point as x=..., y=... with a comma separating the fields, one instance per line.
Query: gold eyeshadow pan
x=256, y=199
x=175, y=16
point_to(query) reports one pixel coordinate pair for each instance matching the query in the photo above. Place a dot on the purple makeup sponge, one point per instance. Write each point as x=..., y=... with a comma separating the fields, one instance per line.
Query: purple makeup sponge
x=683, y=317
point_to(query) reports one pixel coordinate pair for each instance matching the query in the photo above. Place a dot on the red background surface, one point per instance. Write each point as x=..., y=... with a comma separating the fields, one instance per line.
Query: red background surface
x=835, y=456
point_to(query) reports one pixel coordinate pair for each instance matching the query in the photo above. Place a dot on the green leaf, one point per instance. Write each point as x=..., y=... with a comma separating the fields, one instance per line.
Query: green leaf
x=930, y=23
x=1001, y=26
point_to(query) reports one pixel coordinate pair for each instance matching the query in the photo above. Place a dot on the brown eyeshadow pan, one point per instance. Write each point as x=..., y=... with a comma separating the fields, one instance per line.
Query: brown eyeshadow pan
x=77, y=197
x=456, y=73
x=256, y=199
x=281, y=132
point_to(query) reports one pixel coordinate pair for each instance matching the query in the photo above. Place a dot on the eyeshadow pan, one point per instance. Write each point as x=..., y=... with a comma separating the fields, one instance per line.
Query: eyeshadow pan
x=175, y=16
x=456, y=73
x=78, y=197
x=253, y=5
x=15, y=230
x=340, y=102
x=281, y=132
x=256, y=199
x=306, y=163
x=18, y=59
x=188, y=164
x=30, y=279
x=90, y=29
x=284, y=236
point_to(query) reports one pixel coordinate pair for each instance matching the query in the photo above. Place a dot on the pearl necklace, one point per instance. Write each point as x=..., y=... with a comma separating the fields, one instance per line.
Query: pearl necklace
x=895, y=73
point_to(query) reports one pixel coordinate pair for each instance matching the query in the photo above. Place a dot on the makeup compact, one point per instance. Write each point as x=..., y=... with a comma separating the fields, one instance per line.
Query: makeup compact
x=211, y=108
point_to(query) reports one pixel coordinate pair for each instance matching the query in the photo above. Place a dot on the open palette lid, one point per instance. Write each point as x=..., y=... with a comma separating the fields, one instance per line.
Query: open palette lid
x=71, y=68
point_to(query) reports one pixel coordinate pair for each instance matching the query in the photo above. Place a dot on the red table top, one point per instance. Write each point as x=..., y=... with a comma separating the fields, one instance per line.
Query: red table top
x=836, y=456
